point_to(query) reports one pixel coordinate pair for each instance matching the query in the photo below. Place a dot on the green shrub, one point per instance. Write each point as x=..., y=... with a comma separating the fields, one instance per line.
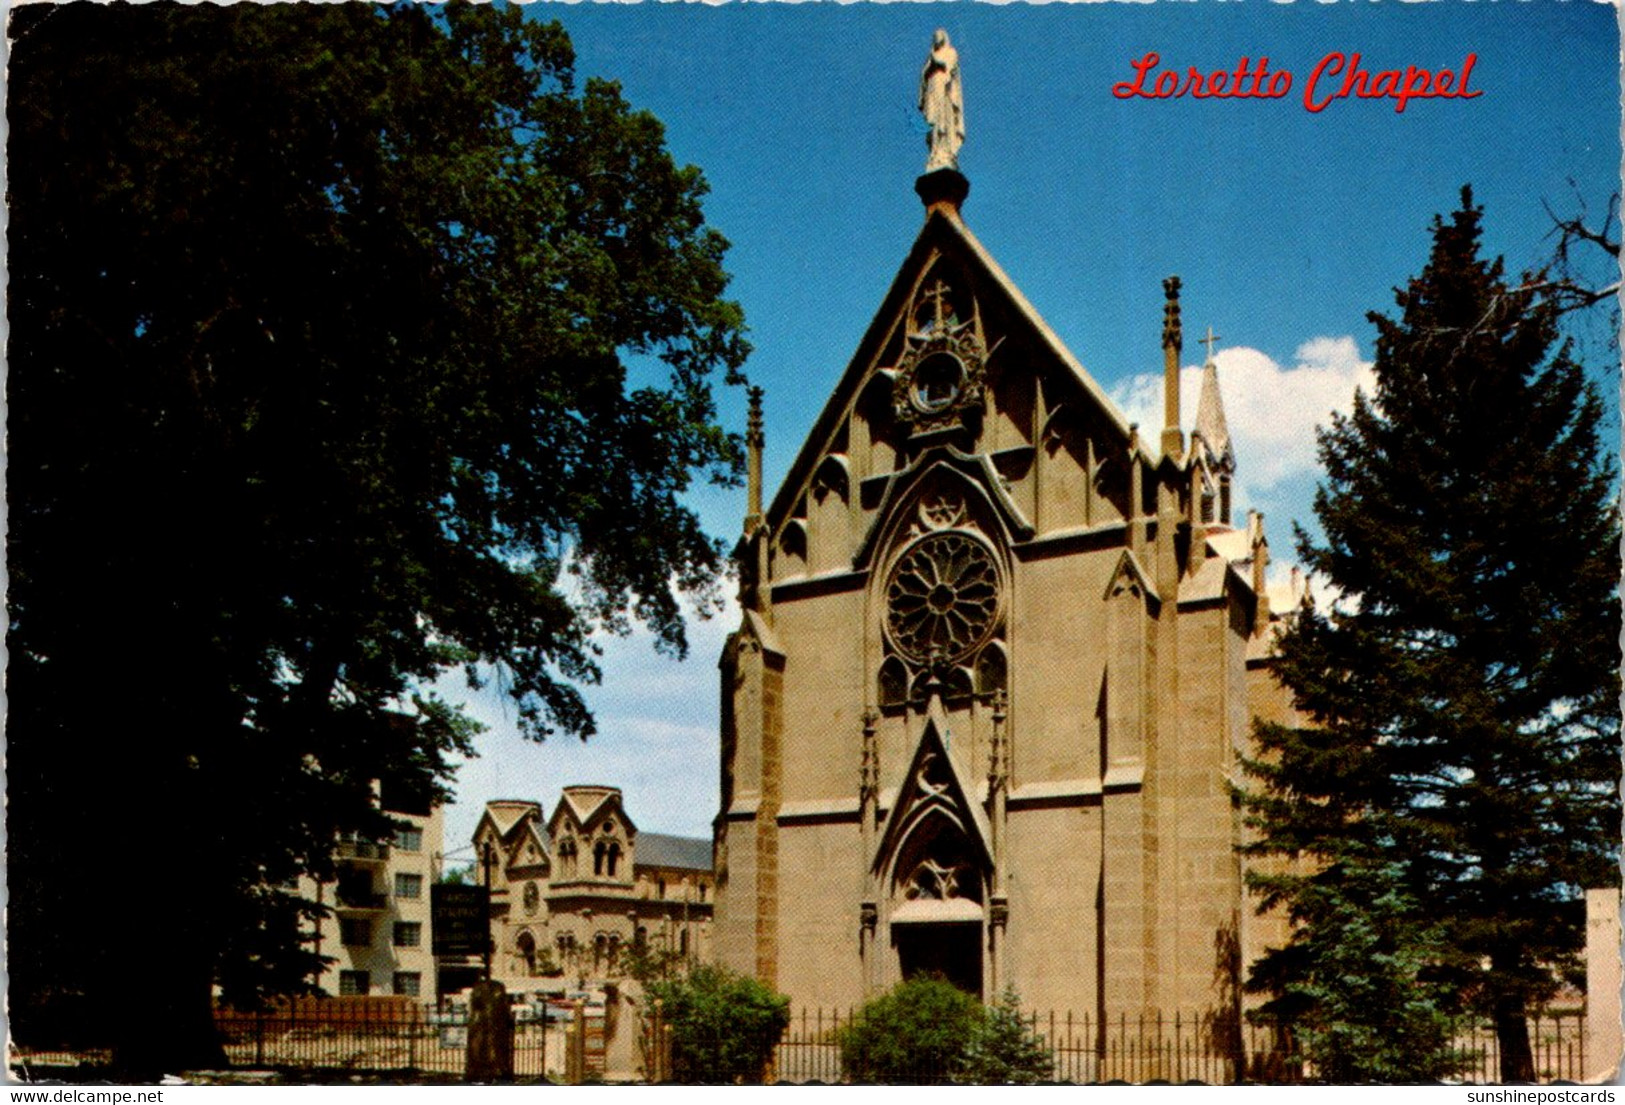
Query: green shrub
x=920, y=1031
x=928, y=1031
x=723, y=1026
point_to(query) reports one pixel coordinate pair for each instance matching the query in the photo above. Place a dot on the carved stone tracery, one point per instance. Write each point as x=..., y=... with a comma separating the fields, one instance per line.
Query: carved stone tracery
x=942, y=601
x=939, y=379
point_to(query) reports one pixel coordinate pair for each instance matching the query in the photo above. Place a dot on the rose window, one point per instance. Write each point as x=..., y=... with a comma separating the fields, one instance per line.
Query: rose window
x=943, y=598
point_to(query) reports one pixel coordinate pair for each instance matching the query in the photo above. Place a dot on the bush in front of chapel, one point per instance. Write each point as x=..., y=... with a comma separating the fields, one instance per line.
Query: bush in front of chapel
x=927, y=1030
x=723, y=1026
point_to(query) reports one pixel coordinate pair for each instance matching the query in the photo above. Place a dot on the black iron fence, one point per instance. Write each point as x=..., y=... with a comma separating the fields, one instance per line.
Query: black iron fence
x=382, y=1034
x=398, y=1036
x=1136, y=1049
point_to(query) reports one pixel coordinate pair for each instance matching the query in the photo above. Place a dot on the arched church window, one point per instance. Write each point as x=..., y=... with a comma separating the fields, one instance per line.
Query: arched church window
x=526, y=947
x=992, y=669
x=613, y=855
x=598, y=851
x=533, y=897
x=893, y=682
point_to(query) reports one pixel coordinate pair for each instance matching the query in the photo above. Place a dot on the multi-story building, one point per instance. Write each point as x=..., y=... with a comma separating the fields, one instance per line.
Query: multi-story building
x=378, y=933
x=569, y=894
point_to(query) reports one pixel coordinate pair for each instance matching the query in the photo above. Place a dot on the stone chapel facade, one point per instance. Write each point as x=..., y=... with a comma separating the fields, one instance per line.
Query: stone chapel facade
x=998, y=657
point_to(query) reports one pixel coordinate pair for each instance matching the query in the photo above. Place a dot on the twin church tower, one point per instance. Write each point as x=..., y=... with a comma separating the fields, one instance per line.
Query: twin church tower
x=998, y=658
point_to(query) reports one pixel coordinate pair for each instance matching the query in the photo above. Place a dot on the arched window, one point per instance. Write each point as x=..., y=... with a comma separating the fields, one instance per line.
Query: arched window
x=661, y=892
x=567, y=857
x=614, y=855
x=598, y=851
x=526, y=948
x=682, y=942
x=702, y=892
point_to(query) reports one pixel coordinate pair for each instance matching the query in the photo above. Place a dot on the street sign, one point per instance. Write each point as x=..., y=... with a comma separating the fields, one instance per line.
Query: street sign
x=460, y=919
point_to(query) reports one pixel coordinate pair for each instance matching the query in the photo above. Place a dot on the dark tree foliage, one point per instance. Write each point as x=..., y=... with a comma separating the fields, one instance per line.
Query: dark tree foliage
x=1359, y=993
x=1462, y=697
x=320, y=318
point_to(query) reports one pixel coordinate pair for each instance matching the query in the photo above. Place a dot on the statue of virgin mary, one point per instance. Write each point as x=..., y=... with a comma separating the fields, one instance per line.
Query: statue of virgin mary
x=942, y=104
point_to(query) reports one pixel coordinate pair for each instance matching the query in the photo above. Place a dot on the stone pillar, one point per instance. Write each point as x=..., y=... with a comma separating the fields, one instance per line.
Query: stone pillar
x=998, y=785
x=1605, y=1040
x=490, y=1034
x=868, y=800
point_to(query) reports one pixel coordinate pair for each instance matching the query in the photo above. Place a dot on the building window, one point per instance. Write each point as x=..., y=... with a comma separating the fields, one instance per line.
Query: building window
x=682, y=942
x=409, y=840
x=702, y=892
x=408, y=983
x=661, y=891
x=354, y=984
x=408, y=934
x=354, y=932
x=526, y=947
x=533, y=897
x=614, y=858
x=408, y=886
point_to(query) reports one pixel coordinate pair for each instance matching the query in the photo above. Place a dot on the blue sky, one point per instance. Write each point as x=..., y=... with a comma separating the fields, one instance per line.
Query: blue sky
x=1285, y=226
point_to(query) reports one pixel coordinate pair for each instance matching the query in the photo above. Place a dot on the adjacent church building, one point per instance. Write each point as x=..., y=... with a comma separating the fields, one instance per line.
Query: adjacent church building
x=999, y=655
x=573, y=892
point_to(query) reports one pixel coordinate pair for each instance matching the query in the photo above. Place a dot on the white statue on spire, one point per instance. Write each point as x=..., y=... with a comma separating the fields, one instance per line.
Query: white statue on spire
x=942, y=104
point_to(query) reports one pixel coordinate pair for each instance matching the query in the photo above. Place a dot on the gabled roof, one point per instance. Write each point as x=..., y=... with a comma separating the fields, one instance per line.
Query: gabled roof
x=587, y=804
x=944, y=231
x=687, y=853
x=1129, y=565
x=506, y=814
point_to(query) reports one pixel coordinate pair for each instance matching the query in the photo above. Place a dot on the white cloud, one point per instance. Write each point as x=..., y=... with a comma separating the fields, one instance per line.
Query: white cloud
x=1272, y=410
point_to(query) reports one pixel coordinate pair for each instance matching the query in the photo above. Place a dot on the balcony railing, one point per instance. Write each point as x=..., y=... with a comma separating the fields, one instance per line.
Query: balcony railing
x=376, y=851
x=361, y=900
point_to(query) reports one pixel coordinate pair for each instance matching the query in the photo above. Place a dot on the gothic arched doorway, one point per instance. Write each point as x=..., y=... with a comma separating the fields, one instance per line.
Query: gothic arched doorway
x=937, y=903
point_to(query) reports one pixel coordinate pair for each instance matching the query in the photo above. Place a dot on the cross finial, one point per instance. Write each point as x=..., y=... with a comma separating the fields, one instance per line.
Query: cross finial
x=938, y=293
x=1209, y=340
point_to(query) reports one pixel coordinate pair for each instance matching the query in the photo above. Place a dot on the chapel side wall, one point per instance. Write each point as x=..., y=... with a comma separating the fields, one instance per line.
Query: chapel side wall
x=824, y=685
x=1054, y=860
x=1206, y=894
x=1058, y=653
x=734, y=919
x=819, y=960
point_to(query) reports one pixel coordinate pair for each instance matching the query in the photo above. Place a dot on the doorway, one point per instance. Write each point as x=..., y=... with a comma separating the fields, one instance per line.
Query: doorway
x=947, y=950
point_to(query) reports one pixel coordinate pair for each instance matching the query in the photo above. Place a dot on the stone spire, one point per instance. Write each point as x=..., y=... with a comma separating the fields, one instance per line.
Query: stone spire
x=1210, y=423
x=1173, y=340
x=753, y=462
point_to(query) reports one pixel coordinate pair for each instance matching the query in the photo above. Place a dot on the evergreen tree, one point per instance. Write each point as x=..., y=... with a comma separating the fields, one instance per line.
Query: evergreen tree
x=1005, y=1050
x=1358, y=992
x=1462, y=695
x=321, y=318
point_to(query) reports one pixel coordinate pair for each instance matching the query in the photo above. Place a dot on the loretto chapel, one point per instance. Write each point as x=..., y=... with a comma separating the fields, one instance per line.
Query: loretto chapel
x=999, y=657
